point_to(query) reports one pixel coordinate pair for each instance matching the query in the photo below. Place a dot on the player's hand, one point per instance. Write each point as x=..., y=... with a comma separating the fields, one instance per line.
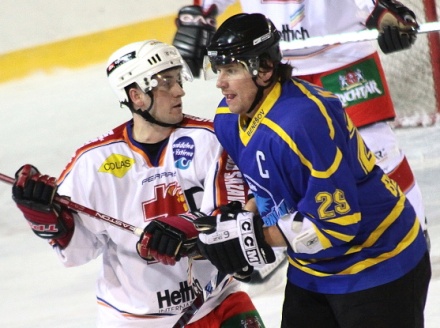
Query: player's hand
x=234, y=242
x=195, y=29
x=34, y=194
x=168, y=239
x=396, y=24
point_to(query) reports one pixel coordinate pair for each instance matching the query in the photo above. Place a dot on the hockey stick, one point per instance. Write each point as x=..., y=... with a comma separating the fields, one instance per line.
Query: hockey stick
x=201, y=296
x=192, y=251
x=288, y=47
x=79, y=208
x=200, y=299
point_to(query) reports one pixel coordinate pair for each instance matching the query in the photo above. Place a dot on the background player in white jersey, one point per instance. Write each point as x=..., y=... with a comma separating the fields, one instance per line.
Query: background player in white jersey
x=147, y=171
x=352, y=71
x=357, y=254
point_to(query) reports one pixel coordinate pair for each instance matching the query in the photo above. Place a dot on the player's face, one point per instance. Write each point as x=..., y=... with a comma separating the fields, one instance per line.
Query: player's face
x=167, y=97
x=237, y=87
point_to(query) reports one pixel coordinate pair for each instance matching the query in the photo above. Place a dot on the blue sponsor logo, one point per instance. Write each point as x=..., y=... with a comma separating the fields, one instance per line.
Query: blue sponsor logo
x=183, y=152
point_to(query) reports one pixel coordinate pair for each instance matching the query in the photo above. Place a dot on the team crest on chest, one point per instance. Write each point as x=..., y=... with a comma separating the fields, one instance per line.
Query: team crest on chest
x=183, y=152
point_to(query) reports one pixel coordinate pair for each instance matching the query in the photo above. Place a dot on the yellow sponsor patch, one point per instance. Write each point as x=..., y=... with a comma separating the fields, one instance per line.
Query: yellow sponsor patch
x=117, y=164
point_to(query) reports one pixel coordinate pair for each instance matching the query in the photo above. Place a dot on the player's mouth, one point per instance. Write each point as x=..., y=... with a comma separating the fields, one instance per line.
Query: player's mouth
x=178, y=106
x=229, y=97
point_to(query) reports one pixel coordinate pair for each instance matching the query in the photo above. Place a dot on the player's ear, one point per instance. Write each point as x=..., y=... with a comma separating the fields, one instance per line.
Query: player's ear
x=135, y=95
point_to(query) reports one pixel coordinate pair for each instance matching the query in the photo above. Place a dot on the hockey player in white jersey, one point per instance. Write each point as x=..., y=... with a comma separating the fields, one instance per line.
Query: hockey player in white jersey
x=367, y=100
x=147, y=171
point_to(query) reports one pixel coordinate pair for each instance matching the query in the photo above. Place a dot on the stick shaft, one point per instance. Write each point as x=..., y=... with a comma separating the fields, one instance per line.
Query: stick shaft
x=288, y=47
x=200, y=299
x=80, y=208
x=191, y=250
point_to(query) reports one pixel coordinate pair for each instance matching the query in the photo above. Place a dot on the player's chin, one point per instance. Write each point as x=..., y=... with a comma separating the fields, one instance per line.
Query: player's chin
x=176, y=117
x=236, y=108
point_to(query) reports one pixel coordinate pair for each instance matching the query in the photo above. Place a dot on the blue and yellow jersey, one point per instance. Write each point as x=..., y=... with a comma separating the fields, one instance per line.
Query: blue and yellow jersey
x=301, y=152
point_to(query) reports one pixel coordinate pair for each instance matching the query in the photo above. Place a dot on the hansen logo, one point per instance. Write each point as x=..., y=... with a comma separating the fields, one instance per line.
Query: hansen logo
x=360, y=83
x=117, y=164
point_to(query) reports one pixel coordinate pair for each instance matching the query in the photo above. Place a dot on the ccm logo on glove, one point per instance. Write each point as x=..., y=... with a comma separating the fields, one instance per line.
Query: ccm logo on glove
x=249, y=243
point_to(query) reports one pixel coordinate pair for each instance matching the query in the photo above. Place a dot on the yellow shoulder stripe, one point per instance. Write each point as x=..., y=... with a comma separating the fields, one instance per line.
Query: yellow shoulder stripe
x=292, y=145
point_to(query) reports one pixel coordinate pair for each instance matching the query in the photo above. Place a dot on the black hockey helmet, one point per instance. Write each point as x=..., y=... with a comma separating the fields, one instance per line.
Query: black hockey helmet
x=245, y=38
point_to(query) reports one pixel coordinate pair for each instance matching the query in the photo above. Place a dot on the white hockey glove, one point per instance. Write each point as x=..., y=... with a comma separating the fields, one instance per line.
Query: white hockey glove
x=396, y=24
x=234, y=242
x=299, y=233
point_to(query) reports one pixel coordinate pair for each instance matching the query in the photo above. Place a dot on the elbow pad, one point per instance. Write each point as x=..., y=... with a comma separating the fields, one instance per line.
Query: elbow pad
x=299, y=233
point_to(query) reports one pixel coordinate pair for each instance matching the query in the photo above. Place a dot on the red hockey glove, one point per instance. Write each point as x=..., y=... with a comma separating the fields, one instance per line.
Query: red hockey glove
x=234, y=242
x=168, y=239
x=396, y=24
x=195, y=29
x=34, y=193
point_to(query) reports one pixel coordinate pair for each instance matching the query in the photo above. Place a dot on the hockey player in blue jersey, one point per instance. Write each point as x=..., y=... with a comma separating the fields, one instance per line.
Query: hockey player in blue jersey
x=357, y=254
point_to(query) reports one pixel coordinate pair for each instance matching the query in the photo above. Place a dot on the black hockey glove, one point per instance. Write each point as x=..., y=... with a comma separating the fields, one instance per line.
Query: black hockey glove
x=34, y=193
x=195, y=29
x=168, y=239
x=396, y=24
x=234, y=242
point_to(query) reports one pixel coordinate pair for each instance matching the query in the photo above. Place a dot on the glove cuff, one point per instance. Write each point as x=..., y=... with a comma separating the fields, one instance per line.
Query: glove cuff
x=391, y=13
x=56, y=226
x=252, y=242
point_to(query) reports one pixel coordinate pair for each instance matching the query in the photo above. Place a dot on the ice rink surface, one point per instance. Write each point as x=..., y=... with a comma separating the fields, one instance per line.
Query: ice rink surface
x=44, y=118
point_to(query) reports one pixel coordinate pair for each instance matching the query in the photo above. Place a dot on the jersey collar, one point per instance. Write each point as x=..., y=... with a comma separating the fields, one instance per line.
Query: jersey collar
x=247, y=129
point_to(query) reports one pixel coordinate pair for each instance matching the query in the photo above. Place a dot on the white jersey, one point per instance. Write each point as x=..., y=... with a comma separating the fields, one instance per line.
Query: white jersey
x=303, y=19
x=113, y=175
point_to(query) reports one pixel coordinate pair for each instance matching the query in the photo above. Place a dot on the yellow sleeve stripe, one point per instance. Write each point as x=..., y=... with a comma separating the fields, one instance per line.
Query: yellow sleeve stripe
x=404, y=243
x=385, y=223
x=338, y=235
x=346, y=220
x=325, y=242
x=360, y=266
x=382, y=227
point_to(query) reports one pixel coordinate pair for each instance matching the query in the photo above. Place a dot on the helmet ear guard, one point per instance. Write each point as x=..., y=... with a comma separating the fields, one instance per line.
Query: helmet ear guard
x=138, y=62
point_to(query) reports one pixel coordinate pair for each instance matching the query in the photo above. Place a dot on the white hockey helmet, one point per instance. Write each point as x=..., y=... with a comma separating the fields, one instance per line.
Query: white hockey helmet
x=139, y=61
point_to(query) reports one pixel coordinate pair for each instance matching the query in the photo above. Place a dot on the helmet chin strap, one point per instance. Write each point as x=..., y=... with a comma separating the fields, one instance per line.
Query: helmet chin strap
x=149, y=118
x=259, y=95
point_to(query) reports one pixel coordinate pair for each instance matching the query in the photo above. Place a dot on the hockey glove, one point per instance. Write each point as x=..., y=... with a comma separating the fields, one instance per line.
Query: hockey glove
x=34, y=193
x=234, y=242
x=168, y=239
x=396, y=24
x=195, y=29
